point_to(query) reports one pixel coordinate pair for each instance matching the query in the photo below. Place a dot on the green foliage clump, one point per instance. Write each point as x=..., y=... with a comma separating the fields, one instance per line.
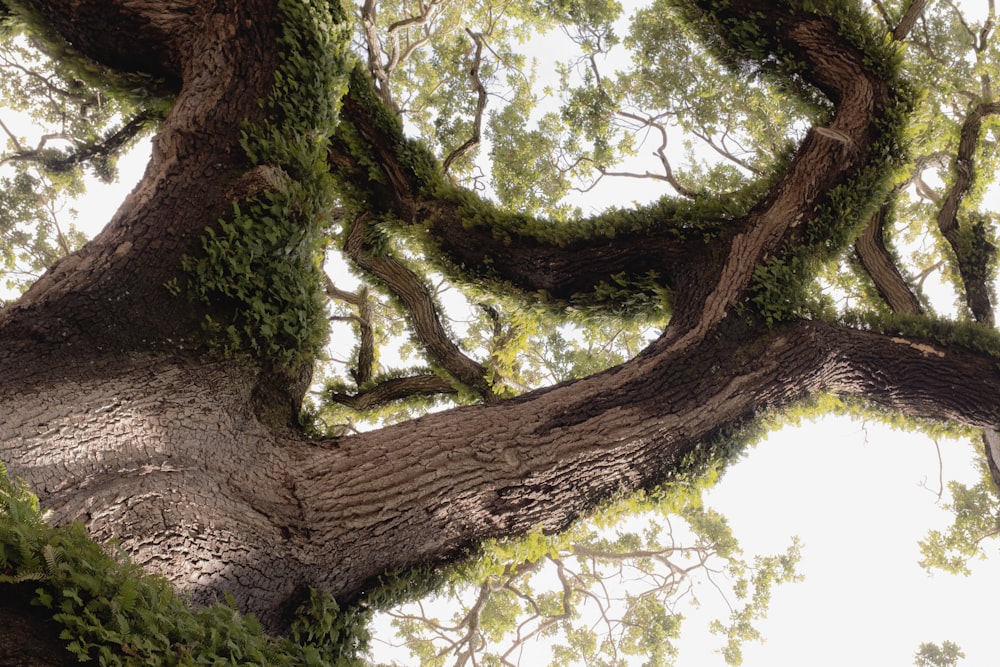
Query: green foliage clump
x=113, y=612
x=976, y=510
x=267, y=257
x=932, y=655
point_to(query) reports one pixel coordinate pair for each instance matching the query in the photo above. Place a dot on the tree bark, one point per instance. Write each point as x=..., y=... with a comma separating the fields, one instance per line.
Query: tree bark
x=880, y=266
x=173, y=449
x=167, y=455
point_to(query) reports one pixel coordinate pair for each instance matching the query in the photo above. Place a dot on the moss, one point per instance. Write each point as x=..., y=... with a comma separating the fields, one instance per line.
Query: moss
x=113, y=612
x=266, y=258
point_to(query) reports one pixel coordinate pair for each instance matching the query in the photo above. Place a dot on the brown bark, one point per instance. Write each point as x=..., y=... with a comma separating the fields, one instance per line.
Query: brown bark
x=974, y=254
x=909, y=19
x=394, y=389
x=453, y=478
x=173, y=449
x=879, y=264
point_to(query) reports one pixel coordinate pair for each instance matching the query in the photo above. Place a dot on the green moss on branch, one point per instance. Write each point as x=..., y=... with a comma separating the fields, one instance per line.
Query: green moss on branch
x=266, y=258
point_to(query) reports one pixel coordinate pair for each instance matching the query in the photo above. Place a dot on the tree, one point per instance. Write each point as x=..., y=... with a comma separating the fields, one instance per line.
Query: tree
x=48, y=172
x=153, y=380
x=932, y=655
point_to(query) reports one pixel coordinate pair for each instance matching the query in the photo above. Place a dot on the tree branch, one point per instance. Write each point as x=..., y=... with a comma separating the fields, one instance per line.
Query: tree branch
x=913, y=12
x=107, y=147
x=393, y=389
x=878, y=263
x=483, y=241
x=973, y=251
x=481, y=98
x=668, y=172
x=510, y=248
x=649, y=411
x=420, y=307
x=362, y=373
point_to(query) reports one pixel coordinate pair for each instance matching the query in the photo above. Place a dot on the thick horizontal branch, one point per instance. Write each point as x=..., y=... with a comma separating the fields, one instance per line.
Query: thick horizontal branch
x=540, y=460
x=916, y=376
x=258, y=512
x=564, y=260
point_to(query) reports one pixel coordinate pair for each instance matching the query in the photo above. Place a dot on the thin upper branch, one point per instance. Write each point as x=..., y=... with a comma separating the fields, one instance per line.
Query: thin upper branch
x=390, y=390
x=661, y=154
x=973, y=251
x=420, y=307
x=481, y=97
x=879, y=264
x=913, y=12
x=107, y=147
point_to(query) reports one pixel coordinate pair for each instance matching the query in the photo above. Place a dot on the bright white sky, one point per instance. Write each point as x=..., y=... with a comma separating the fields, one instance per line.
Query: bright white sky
x=853, y=493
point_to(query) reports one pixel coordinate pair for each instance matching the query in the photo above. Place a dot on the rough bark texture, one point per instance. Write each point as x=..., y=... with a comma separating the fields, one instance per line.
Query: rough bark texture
x=173, y=449
x=880, y=266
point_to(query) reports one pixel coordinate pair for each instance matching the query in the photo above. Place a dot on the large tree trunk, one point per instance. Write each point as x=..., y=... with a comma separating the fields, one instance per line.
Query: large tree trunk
x=191, y=459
